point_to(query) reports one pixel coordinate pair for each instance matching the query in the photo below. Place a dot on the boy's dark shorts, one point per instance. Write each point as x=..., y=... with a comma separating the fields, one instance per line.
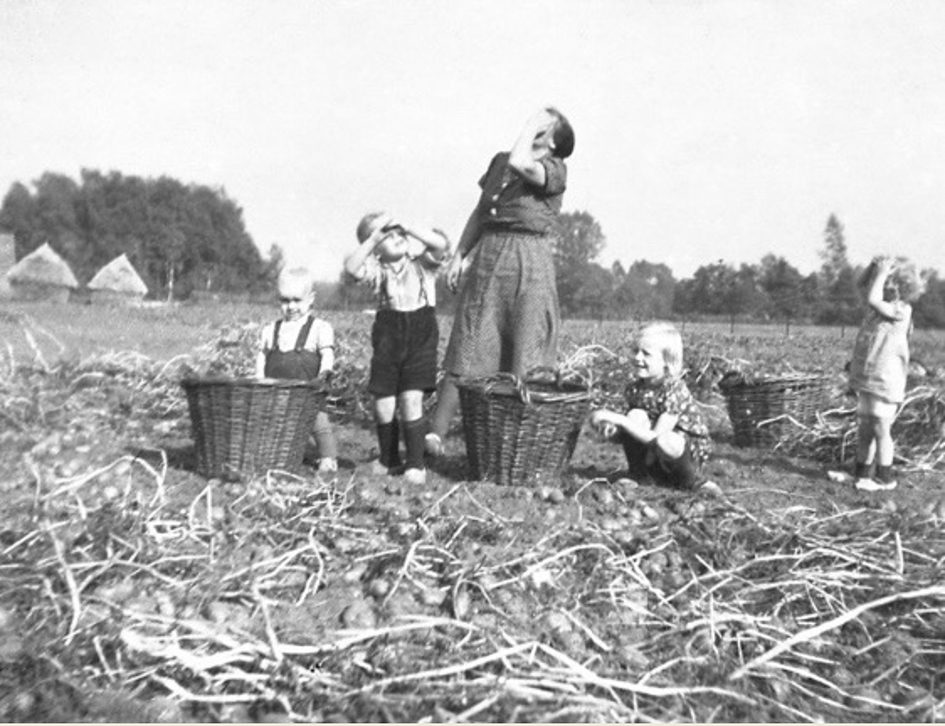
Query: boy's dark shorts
x=405, y=345
x=645, y=464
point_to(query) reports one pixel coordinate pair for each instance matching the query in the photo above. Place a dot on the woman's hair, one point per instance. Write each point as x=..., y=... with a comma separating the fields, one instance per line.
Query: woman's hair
x=563, y=135
x=904, y=279
x=671, y=343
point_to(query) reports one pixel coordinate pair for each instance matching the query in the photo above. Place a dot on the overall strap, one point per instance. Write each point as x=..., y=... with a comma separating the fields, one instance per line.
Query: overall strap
x=275, y=335
x=303, y=335
x=421, y=273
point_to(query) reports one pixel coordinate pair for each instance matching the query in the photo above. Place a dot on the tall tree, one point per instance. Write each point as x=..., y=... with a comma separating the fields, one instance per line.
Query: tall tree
x=580, y=241
x=646, y=290
x=784, y=286
x=834, y=252
x=930, y=307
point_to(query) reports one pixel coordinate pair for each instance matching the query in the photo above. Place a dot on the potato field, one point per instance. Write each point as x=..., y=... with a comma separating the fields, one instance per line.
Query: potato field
x=134, y=589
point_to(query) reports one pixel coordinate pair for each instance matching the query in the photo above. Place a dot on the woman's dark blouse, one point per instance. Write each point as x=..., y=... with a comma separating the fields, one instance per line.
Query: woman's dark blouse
x=509, y=203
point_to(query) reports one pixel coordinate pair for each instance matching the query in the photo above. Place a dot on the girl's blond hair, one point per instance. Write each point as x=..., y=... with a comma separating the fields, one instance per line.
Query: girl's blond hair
x=671, y=345
x=904, y=279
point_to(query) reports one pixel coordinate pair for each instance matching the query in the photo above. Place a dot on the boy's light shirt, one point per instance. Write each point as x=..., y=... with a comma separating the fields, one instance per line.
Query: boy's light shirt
x=405, y=285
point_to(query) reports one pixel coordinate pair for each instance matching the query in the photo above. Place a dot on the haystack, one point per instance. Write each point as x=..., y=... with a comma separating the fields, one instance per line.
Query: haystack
x=118, y=281
x=7, y=261
x=42, y=275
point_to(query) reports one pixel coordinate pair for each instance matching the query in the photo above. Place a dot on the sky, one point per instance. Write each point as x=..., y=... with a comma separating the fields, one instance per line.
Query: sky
x=705, y=130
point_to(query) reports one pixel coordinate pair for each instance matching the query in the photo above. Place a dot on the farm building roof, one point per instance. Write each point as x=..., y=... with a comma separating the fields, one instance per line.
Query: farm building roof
x=43, y=266
x=119, y=275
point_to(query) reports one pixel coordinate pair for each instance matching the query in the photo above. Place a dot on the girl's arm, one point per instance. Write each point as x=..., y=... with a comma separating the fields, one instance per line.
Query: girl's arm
x=887, y=309
x=522, y=157
x=643, y=433
x=665, y=423
x=354, y=262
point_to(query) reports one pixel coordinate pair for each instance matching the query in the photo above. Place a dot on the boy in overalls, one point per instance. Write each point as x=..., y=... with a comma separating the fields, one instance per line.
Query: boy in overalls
x=300, y=346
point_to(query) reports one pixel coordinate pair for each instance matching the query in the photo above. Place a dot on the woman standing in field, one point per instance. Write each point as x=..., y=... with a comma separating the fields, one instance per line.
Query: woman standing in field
x=507, y=317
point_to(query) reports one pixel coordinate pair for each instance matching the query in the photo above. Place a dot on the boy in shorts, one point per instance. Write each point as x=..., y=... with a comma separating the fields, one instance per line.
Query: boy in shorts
x=400, y=263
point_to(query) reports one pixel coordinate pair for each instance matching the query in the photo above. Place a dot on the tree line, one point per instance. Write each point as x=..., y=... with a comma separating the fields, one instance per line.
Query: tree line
x=190, y=239
x=771, y=290
x=180, y=238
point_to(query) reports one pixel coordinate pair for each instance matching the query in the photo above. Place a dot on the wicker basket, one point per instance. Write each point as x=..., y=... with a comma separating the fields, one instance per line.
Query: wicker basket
x=518, y=433
x=760, y=410
x=246, y=426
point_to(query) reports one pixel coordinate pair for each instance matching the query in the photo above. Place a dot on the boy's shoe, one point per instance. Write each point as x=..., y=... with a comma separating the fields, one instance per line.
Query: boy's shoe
x=415, y=476
x=376, y=468
x=328, y=465
x=871, y=485
x=886, y=477
x=710, y=488
x=433, y=444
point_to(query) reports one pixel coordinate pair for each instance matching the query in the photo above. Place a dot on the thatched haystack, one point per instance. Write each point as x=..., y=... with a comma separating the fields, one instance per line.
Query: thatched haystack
x=7, y=261
x=42, y=275
x=118, y=281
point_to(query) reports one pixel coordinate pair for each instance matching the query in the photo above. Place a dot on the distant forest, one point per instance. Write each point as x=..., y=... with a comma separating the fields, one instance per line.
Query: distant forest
x=188, y=240
x=180, y=238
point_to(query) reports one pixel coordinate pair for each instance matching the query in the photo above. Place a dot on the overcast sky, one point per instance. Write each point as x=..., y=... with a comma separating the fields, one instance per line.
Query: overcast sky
x=705, y=130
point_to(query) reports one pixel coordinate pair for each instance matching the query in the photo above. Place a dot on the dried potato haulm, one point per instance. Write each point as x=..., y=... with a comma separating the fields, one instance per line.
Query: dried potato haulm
x=132, y=587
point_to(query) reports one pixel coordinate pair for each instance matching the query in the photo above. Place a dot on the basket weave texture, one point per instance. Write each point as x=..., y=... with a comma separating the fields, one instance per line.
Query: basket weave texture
x=520, y=432
x=761, y=409
x=246, y=426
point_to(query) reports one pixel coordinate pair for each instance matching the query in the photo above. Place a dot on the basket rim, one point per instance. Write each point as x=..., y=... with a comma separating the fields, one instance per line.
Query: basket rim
x=195, y=381
x=508, y=388
x=787, y=378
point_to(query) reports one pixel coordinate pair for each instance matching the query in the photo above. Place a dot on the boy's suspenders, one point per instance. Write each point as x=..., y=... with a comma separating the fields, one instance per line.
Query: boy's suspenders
x=303, y=335
x=300, y=341
x=418, y=271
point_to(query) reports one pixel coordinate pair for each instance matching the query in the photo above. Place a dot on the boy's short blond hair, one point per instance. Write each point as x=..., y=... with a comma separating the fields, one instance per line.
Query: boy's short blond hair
x=367, y=225
x=671, y=345
x=296, y=282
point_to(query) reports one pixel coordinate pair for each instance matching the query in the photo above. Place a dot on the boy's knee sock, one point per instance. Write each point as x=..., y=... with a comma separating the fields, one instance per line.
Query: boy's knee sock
x=325, y=437
x=864, y=471
x=884, y=474
x=388, y=443
x=414, y=431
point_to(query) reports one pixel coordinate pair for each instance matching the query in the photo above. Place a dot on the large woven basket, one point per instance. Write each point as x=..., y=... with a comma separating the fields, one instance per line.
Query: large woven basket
x=762, y=409
x=520, y=432
x=247, y=426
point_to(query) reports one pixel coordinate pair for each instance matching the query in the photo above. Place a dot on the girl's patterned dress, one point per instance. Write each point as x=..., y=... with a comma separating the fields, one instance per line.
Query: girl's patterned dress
x=671, y=395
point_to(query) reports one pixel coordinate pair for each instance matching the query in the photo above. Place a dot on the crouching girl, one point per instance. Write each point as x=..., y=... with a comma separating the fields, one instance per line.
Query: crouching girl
x=663, y=432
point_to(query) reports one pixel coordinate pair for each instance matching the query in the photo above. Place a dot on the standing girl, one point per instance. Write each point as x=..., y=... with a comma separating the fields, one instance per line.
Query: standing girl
x=507, y=317
x=880, y=365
